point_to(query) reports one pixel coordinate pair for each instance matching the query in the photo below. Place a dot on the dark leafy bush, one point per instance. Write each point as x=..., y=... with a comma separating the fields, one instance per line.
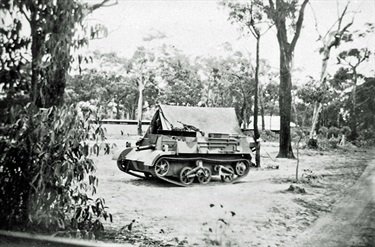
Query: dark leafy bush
x=333, y=132
x=270, y=136
x=323, y=131
x=45, y=179
x=366, y=138
x=346, y=130
x=334, y=142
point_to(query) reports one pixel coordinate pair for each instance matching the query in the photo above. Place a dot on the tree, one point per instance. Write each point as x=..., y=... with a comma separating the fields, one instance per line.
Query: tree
x=268, y=95
x=230, y=83
x=46, y=175
x=354, y=58
x=142, y=67
x=53, y=26
x=248, y=15
x=180, y=83
x=280, y=11
x=331, y=39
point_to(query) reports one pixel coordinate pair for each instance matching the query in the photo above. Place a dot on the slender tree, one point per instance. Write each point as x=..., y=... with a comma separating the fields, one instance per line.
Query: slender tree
x=249, y=15
x=354, y=58
x=280, y=11
x=331, y=39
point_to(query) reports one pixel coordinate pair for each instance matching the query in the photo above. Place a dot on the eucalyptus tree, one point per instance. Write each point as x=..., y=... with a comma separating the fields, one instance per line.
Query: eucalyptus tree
x=249, y=16
x=337, y=33
x=54, y=33
x=230, y=83
x=287, y=16
x=142, y=67
x=353, y=58
x=179, y=81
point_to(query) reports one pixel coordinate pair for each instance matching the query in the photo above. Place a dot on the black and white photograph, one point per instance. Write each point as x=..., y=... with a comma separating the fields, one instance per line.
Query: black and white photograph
x=178, y=123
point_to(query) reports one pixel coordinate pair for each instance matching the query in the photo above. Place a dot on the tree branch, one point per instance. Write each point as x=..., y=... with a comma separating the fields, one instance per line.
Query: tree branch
x=316, y=22
x=102, y=4
x=299, y=24
x=24, y=13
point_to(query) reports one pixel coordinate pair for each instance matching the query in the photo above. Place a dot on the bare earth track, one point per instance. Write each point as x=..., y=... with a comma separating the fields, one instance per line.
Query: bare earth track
x=258, y=211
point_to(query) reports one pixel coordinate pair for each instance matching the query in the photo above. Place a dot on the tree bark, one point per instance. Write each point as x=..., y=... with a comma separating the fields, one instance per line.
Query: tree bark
x=330, y=40
x=354, y=106
x=140, y=107
x=256, y=130
x=285, y=98
x=279, y=15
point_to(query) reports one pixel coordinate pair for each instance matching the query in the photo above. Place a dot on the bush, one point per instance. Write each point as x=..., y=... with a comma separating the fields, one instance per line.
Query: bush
x=366, y=138
x=346, y=130
x=268, y=135
x=333, y=132
x=334, y=142
x=44, y=174
x=323, y=131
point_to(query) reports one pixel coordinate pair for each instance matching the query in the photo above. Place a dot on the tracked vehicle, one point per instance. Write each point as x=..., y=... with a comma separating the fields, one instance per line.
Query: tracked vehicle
x=187, y=144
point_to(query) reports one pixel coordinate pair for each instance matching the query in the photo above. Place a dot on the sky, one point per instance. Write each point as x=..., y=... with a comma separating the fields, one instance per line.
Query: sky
x=201, y=27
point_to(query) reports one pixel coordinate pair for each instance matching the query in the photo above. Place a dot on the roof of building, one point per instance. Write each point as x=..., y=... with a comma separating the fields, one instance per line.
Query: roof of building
x=270, y=123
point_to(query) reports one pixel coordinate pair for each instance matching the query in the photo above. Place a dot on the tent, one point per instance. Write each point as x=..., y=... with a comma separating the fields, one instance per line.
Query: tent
x=206, y=119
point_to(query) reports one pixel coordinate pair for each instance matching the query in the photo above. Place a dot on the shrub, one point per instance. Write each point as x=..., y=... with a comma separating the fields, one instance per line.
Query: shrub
x=333, y=132
x=334, y=142
x=366, y=138
x=45, y=178
x=345, y=130
x=268, y=135
x=323, y=131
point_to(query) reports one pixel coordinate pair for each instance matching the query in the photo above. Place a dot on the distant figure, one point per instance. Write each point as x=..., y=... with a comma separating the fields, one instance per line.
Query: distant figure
x=122, y=132
x=96, y=149
x=106, y=148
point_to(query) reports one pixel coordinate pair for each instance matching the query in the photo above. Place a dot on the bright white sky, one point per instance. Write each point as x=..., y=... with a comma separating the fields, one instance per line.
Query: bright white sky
x=200, y=28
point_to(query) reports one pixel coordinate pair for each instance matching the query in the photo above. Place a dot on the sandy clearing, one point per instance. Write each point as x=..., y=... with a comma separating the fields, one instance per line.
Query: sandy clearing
x=352, y=222
x=265, y=214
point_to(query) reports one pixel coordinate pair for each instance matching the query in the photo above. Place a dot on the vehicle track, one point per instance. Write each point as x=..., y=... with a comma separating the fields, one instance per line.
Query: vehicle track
x=352, y=221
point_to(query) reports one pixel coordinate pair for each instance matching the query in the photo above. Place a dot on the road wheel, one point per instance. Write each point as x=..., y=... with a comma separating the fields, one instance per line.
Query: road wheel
x=228, y=178
x=185, y=176
x=204, y=175
x=122, y=165
x=162, y=167
x=240, y=168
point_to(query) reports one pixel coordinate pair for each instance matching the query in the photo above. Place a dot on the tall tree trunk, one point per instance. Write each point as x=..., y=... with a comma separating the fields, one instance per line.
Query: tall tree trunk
x=140, y=107
x=279, y=16
x=256, y=130
x=285, y=98
x=261, y=101
x=354, y=106
x=330, y=40
x=36, y=48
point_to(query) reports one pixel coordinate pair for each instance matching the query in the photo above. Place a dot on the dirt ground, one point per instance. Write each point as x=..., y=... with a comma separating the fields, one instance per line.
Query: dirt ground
x=258, y=211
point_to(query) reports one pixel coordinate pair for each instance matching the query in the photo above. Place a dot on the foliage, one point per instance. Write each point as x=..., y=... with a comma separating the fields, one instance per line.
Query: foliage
x=345, y=130
x=182, y=83
x=269, y=136
x=334, y=142
x=333, y=132
x=323, y=131
x=46, y=180
x=38, y=40
x=366, y=137
x=230, y=83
